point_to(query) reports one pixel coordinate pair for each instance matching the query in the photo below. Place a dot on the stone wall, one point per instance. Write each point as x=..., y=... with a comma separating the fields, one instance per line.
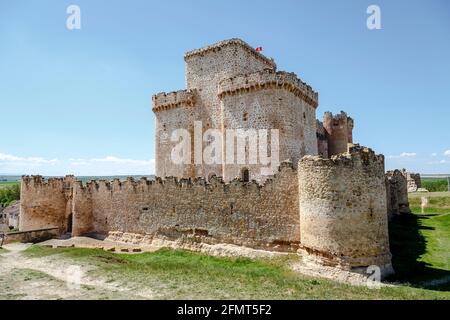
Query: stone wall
x=269, y=100
x=339, y=132
x=247, y=214
x=173, y=111
x=34, y=236
x=205, y=68
x=82, y=210
x=397, y=194
x=45, y=204
x=322, y=141
x=413, y=180
x=343, y=219
x=239, y=213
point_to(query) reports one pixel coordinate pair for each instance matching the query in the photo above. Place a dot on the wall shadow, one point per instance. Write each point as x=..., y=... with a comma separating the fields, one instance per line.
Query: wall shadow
x=407, y=245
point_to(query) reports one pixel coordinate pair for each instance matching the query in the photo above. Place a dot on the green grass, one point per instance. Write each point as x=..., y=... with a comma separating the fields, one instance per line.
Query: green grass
x=4, y=184
x=413, y=195
x=420, y=243
x=177, y=274
x=438, y=203
x=435, y=185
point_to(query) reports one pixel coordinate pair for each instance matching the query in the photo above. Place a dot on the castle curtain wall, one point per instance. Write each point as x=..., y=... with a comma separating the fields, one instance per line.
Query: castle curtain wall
x=239, y=213
x=83, y=219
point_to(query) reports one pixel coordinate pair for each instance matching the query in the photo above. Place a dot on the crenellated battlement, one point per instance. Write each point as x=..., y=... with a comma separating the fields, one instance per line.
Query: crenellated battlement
x=230, y=42
x=269, y=79
x=40, y=181
x=143, y=183
x=166, y=101
x=336, y=120
x=356, y=156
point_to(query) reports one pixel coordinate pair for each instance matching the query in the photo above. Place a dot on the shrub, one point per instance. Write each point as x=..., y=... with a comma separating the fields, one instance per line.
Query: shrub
x=9, y=194
x=435, y=185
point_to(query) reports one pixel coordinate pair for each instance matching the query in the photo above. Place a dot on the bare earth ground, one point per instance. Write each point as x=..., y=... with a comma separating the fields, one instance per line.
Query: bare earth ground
x=25, y=277
x=39, y=272
x=46, y=278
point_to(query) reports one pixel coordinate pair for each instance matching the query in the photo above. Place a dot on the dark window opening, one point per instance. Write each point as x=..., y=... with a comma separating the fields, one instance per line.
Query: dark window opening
x=69, y=223
x=245, y=175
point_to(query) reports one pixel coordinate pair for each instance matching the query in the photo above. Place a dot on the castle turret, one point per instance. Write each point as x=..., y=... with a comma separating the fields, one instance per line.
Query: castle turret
x=339, y=132
x=343, y=220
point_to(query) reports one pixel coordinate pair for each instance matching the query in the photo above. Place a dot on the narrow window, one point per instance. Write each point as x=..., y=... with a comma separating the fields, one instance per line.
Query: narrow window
x=69, y=223
x=245, y=175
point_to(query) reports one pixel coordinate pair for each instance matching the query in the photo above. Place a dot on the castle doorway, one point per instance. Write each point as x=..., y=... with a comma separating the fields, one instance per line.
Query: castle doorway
x=245, y=175
x=69, y=223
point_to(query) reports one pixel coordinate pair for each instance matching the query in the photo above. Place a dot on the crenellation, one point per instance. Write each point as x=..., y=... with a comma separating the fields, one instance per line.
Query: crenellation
x=166, y=101
x=219, y=45
x=268, y=79
x=339, y=132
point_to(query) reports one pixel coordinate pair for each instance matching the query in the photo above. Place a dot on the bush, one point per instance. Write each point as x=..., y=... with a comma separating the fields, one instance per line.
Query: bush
x=435, y=185
x=9, y=194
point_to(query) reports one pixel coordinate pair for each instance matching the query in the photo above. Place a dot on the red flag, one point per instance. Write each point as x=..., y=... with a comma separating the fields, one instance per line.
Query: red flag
x=258, y=49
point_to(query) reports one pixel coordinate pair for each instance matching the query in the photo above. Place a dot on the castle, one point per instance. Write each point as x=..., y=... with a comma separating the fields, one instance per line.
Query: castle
x=232, y=86
x=328, y=198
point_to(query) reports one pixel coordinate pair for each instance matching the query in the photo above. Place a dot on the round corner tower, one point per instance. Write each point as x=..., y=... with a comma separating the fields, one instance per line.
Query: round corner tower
x=343, y=220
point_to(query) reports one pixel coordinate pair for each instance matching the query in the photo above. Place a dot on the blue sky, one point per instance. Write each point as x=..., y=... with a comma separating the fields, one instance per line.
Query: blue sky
x=79, y=101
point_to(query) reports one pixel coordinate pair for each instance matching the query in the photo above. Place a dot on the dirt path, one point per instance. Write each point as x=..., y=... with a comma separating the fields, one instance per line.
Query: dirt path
x=23, y=277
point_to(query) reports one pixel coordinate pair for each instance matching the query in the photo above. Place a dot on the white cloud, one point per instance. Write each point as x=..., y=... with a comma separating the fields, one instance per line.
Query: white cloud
x=408, y=154
x=438, y=162
x=26, y=160
x=434, y=154
x=404, y=155
x=447, y=153
x=110, y=165
x=116, y=160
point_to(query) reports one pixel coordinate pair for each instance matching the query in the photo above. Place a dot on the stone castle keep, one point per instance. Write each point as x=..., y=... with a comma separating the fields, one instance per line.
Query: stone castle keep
x=328, y=200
